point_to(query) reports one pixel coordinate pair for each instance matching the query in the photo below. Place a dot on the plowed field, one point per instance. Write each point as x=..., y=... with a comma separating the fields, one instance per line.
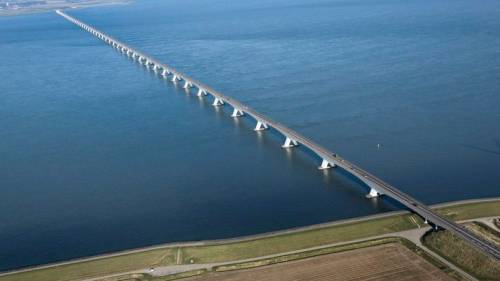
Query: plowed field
x=384, y=262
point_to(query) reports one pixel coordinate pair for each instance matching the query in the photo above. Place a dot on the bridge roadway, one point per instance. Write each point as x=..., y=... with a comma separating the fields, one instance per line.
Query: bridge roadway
x=293, y=138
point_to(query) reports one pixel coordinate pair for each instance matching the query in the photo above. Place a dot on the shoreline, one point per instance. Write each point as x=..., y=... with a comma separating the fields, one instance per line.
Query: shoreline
x=238, y=239
x=51, y=8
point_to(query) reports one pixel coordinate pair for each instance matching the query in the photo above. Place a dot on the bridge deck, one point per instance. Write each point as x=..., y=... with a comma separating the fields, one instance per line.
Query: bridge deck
x=332, y=158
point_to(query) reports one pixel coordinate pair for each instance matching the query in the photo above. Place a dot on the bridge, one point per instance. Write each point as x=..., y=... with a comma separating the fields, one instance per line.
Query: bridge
x=292, y=138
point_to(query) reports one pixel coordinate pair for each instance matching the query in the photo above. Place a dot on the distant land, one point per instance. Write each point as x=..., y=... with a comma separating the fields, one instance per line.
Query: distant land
x=17, y=7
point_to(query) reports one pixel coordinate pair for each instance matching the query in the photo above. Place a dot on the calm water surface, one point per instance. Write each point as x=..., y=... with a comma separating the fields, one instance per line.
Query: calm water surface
x=97, y=154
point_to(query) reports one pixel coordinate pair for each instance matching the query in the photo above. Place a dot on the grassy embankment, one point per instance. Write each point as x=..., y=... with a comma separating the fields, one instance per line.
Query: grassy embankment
x=459, y=252
x=485, y=231
x=338, y=249
x=293, y=257
x=233, y=251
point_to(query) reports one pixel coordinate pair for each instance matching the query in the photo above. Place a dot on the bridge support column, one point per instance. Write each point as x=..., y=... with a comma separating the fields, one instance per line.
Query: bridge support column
x=326, y=165
x=201, y=93
x=237, y=113
x=187, y=85
x=373, y=193
x=218, y=102
x=261, y=126
x=289, y=143
x=175, y=78
x=165, y=73
x=155, y=67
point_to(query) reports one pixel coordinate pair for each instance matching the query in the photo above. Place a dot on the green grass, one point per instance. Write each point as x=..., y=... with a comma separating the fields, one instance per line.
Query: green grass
x=247, y=249
x=304, y=254
x=485, y=231
x=471, y=211
x=296, y=241
x=148, y=277
x=297, y=256
x=175, y=276
x=462, y=254
x=98, y=267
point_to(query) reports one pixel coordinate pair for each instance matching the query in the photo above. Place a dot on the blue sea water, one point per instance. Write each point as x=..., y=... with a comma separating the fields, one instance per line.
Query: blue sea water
x=98, y=154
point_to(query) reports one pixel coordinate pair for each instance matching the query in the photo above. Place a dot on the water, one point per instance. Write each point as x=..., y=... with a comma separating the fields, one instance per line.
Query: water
x=97, y=154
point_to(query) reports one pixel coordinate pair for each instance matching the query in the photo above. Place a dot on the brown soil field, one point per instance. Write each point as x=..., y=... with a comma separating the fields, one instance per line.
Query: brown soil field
x=385, y=262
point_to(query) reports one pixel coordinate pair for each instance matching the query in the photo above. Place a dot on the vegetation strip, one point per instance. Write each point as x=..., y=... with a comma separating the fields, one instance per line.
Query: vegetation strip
x=460, y=253
x=247, y=248
x=305, y=255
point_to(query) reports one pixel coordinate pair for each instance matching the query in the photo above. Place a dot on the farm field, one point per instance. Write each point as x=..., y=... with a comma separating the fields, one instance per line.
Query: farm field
x=384, y=262
x=244, y=248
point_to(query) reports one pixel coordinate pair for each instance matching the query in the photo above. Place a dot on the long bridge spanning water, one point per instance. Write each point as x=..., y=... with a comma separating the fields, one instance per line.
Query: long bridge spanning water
x=329, y=159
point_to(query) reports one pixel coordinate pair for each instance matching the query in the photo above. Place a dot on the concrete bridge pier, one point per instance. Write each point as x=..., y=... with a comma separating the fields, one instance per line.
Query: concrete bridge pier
x=187, y=84
x=218, y=102
x=165, y=72
x=326, y=165
x=261, y=126
x=289, y=143
x=155, y=67
x=373, y=193
x=201, y=93
x=237, y=112
x=176, y=78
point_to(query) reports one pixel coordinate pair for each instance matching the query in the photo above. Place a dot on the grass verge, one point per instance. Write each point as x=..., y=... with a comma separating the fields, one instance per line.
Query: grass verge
x=249, y=248
x=465, y=256
x=305, y=255
x=482, y=230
